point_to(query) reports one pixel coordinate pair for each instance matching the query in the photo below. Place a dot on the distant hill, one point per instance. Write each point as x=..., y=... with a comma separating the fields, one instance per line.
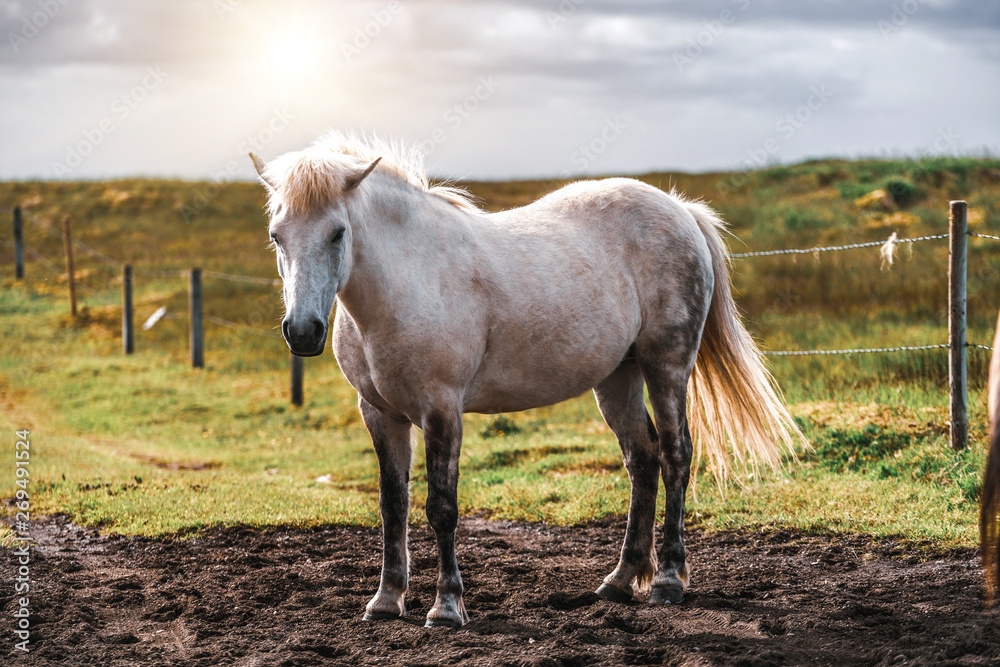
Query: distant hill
x=172, y=224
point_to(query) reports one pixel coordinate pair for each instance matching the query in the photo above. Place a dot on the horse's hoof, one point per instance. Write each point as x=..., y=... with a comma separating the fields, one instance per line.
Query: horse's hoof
x=666, y=595
x=442, y=622
x=447, y=614
x=379, y=616
x=614, y=594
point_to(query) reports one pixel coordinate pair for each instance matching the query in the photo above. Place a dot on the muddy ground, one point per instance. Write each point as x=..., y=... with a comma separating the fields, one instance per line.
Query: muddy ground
x=291, y=597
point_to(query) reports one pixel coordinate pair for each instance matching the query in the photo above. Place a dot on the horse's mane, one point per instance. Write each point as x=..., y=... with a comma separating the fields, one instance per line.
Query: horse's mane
x=310, y=179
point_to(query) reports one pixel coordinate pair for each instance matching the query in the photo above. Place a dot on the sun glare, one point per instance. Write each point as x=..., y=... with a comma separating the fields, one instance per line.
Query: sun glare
x=288, y=47
x=293, y=54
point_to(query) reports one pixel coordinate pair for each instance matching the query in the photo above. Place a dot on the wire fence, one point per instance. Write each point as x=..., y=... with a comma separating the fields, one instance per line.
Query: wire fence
x=242, y=327
x=849, y=246
x=902, y=348
x=55, y=232
x=957, y=301
x=887, y=248
x=956, y=346
x=46, y=262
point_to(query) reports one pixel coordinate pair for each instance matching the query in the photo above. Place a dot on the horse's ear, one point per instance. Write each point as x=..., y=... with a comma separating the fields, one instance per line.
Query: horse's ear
x=354, y=180
x=259, y=167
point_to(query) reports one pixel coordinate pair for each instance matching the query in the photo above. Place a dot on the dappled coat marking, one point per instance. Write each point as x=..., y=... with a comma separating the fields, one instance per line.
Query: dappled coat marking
x=445, y=309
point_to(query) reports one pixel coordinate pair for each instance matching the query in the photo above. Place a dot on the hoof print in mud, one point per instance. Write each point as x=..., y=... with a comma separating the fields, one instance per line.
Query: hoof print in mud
x=870, y=614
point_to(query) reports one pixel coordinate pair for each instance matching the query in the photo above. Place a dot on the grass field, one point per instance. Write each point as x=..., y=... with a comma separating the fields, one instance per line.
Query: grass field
x=146, y=445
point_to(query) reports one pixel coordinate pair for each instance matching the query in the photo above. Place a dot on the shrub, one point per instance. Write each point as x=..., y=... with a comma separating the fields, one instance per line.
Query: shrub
x=851, y=190
x=500, y=425
x=904, y=192
x=797, y=220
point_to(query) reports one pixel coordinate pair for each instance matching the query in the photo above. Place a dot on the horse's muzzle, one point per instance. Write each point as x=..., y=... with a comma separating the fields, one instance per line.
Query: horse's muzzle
x=307, y=339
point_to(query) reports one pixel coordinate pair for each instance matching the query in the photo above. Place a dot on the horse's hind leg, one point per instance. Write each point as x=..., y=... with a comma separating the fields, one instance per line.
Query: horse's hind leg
x=666, y=370
x=391, y=438
x=620, y=399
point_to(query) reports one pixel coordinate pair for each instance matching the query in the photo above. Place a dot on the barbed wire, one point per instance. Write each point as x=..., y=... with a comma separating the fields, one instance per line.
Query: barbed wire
x=849, y=246
x=56, y=269
x=218, y=275
x=240, y=279
x=241, y=327
x=51, y=229
x=226, y=323
x=43, y=259
x=44, y=224
x=96, y=254
x=852, y=246
x=161, y=273
x=901, y=348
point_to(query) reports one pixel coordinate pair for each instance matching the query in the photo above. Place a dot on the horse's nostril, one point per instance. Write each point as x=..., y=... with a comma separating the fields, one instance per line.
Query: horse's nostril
x=284, y=329
x=318, y=330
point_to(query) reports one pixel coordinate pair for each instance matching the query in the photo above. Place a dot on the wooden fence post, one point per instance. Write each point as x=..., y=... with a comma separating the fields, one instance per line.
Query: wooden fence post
x=956, y=324
x=128, y=314
x=18, y=244
x=297, y=373
x=197, y=330
x=70, y=272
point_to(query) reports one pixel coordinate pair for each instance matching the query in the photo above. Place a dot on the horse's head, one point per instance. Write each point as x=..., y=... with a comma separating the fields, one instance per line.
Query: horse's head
x=312, y=238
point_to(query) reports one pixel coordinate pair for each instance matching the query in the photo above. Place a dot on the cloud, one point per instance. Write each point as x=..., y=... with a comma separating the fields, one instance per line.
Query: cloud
x=699, y=84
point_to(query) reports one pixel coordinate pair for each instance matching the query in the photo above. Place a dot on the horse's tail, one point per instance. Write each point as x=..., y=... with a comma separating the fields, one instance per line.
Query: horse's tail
x=989, y=515
x=736, y=412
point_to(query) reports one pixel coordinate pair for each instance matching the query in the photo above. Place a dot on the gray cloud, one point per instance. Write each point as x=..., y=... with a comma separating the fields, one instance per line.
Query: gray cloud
x=697, y=88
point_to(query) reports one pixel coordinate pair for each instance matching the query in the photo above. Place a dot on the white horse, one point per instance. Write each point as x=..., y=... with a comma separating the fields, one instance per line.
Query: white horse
x=445, y=309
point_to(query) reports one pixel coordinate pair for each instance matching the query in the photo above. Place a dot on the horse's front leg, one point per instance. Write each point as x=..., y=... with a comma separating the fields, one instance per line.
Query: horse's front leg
x=443, y=443
x=391, y=438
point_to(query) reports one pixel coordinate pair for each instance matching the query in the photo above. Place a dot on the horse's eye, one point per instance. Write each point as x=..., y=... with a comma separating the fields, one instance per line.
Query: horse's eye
x=339, y=236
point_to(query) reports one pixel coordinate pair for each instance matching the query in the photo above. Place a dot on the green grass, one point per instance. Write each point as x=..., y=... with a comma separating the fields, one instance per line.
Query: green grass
x=146, y=445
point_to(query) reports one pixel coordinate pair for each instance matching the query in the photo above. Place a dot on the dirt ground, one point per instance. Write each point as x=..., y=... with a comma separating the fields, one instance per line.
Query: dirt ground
x=291, y=597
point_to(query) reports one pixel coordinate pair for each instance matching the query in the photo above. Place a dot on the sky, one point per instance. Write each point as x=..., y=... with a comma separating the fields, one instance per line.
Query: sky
x=493, y=89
